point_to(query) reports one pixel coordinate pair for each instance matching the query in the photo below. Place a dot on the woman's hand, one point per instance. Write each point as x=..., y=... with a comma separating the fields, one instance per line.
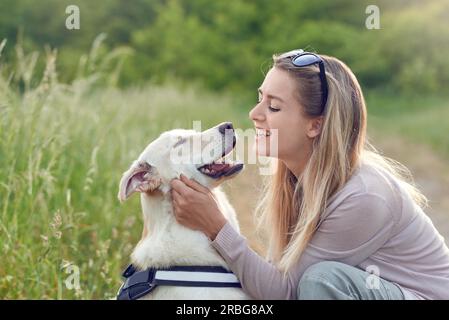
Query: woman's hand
x=195, y=207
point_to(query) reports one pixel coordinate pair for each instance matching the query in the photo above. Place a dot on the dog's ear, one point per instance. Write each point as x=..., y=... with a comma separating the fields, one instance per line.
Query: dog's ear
x=141, y=177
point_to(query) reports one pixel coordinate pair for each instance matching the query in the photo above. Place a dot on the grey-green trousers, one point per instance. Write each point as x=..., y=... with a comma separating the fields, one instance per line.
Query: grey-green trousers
x=329, y=280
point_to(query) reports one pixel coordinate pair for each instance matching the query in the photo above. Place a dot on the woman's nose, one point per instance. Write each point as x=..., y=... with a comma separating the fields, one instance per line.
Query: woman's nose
x=256, y=115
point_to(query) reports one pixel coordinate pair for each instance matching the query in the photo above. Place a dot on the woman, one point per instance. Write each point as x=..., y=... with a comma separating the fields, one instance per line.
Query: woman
x=344, y=222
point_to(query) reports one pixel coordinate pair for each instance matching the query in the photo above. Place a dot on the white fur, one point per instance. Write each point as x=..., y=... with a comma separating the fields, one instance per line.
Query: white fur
x=165, y=242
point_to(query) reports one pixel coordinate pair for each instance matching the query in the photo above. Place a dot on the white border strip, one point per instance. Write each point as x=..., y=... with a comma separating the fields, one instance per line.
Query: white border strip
x=196, y=276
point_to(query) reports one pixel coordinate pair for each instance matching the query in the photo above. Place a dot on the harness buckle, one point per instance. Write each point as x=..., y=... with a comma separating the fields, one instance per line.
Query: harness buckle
x=137, y=284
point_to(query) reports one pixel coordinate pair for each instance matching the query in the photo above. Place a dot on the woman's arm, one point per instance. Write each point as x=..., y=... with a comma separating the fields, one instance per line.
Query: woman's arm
x=350, y=234
x=353, y=231
x=259, y=278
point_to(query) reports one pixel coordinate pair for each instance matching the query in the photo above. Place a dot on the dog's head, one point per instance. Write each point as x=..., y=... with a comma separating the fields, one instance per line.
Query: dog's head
x=197, y=155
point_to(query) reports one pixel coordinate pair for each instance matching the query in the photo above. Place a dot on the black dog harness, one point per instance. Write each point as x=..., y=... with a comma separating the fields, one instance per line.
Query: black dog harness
x=139, y=283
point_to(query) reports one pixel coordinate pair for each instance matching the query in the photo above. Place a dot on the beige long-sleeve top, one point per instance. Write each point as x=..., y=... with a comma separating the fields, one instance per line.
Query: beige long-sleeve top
x=370, y=223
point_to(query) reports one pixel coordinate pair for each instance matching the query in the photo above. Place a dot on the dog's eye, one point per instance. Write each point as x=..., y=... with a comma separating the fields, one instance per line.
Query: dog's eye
x=180, y=141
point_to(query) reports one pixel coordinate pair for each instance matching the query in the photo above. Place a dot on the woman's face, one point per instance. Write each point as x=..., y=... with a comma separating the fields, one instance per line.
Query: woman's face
x=279, y=120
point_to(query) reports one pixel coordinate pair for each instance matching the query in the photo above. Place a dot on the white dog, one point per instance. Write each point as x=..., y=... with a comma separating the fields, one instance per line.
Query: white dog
x=165, y=243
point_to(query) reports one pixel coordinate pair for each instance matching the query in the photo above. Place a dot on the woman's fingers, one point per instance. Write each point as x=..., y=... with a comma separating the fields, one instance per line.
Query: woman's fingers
x=175, y=196
x=185, y=186
x=180, y=187
x=194, y=185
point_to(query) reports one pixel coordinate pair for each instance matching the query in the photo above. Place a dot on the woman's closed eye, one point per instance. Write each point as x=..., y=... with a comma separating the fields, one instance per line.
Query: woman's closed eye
x=271, y=108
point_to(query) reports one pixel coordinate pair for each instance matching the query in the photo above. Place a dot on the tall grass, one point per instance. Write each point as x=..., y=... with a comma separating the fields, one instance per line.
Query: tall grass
x=63, y=148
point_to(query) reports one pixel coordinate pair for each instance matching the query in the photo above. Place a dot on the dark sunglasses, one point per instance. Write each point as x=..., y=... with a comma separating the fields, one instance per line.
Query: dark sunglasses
x=304, y=59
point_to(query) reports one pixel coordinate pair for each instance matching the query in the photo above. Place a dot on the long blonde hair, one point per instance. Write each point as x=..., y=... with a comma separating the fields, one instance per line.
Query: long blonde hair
x=292, y=207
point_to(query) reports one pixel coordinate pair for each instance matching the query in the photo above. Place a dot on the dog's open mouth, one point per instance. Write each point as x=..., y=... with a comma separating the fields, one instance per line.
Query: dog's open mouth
x=221, y=168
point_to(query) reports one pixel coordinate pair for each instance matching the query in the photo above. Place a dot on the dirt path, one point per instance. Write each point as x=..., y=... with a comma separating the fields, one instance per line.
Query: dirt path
x=430, y=171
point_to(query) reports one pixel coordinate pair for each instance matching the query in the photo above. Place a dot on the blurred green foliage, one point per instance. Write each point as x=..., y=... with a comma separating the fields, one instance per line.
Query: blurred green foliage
x=224, y=44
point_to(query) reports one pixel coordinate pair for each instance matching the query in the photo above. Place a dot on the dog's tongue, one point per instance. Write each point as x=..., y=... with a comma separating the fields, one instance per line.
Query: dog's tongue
x=218, y=166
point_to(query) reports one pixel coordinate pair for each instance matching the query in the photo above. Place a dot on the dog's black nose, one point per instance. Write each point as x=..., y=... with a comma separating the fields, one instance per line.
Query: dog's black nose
x=225, y=126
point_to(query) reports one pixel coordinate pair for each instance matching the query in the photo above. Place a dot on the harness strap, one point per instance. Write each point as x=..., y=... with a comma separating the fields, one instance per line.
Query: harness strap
x=140, y=283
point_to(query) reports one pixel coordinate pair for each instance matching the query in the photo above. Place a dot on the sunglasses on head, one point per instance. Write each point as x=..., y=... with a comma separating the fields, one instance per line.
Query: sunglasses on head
x=302, y=58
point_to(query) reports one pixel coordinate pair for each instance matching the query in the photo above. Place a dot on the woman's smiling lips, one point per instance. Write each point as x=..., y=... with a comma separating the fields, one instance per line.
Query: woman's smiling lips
x=262, y=132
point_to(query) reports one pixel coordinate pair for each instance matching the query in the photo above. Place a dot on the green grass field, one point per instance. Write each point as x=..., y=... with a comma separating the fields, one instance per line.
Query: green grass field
x=63, y=149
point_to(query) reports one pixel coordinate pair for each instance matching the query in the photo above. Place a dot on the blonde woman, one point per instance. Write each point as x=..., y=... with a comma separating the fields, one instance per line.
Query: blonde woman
x=344, y=222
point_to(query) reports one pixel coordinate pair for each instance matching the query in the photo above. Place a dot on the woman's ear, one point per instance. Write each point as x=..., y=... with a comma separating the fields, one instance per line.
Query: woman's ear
x=314, y=127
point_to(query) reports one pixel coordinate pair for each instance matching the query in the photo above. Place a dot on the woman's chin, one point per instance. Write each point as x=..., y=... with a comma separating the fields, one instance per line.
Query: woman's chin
x=263, y=148
x=263, y=152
